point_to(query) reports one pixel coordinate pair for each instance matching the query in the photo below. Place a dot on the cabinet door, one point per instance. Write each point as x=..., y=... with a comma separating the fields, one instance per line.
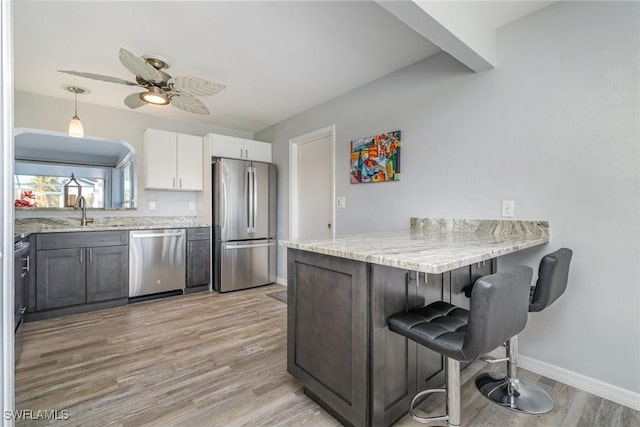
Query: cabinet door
x=198, y=262
x=107, y=273
x=60, y=278
x=160, y=159
x=257, y=151
x=227, y=147
x=189, y=162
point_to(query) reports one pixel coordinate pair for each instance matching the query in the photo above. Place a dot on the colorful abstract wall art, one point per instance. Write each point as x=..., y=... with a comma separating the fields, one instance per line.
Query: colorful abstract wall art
x=376, y=158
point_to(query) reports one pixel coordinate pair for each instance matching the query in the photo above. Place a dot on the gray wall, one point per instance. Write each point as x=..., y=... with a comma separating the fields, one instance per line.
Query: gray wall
x=43, y=112
x=555, y=128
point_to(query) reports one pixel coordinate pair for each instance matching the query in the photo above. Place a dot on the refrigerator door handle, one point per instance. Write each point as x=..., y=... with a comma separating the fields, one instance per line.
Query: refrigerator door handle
x=249, y=192
x=254, y=245
x=255, y=199
x=223, y=208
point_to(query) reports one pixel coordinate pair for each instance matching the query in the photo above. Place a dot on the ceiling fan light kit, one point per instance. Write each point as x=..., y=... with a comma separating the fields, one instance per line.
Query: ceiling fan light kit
x=154, y=96
x=75, y=125
x=160, y=87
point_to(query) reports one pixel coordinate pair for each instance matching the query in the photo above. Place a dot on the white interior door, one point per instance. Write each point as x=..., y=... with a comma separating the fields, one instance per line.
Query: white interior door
x=314, y=188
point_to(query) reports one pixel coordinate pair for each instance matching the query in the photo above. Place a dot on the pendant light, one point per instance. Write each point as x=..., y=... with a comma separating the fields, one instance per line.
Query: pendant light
x=75, y=125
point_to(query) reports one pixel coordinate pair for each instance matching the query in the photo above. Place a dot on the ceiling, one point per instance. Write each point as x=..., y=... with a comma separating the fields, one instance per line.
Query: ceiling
x=276, y=58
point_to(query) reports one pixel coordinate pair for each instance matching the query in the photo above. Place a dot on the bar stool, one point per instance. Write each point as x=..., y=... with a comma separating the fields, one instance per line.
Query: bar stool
x=498, y=311
x=507, y=390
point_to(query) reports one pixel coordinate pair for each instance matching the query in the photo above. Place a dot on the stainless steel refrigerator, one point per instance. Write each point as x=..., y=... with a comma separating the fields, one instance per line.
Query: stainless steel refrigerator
x=244, y=219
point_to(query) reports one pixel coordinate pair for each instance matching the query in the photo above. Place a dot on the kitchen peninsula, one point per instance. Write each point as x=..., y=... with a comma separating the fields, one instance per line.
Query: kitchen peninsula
x=342, y=290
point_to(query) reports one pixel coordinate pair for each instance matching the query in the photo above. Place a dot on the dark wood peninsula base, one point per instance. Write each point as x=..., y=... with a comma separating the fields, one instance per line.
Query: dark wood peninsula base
x=338, y=343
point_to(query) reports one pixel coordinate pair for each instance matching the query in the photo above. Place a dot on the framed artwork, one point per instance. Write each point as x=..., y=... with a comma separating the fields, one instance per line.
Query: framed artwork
x=376, y=158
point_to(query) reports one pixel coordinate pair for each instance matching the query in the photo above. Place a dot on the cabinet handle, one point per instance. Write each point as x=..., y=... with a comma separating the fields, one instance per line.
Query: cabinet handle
x=191, y=247
x=28, y=266
x=241, y=155
x=174, y=183
x=90, y=255
x=180, y=182
x=81, y=257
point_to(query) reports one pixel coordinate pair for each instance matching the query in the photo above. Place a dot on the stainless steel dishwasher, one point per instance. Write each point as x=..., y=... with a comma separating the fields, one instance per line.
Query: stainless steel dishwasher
x=156, y=261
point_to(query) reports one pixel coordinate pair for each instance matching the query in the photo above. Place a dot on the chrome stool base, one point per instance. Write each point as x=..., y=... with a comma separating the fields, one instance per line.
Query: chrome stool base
x=514, y=394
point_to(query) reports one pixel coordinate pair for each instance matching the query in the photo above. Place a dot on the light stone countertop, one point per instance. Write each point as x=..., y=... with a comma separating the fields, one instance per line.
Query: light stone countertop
x=433, y=246
x=26, y=226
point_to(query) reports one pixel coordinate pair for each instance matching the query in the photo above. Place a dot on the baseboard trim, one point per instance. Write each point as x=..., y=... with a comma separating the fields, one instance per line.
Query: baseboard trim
x=281, y=281
x=590, y=385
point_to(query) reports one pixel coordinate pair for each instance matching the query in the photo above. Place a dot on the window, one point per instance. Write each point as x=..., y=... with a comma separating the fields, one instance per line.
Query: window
x=47, y=181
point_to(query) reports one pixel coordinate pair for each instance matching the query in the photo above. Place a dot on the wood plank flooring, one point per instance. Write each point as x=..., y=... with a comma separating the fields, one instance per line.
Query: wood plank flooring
x=217, y=360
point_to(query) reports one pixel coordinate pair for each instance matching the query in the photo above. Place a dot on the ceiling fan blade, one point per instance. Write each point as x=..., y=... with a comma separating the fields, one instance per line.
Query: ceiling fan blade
x=195, y=86
x=99, y=77
x=140, y=67
x=189, y=103
x=133, y=101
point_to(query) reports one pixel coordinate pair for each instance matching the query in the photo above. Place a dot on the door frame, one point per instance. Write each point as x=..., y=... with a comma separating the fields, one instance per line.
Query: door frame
x=294, y=144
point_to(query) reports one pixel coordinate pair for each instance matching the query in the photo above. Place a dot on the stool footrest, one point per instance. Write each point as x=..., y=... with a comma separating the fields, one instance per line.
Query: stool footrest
x=427, y=419
x=490, y=359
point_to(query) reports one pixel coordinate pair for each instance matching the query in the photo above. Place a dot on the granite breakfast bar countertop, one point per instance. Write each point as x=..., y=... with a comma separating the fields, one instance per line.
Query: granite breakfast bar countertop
x=433, y=245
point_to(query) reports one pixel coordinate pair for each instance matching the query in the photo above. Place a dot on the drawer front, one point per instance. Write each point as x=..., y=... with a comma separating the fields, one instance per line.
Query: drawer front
x=198, y=233
x=81, y=239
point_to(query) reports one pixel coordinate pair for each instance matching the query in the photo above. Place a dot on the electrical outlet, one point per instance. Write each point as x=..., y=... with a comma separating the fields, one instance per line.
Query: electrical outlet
x=152, y=206
x=192, y=206
x=507, y=208
x=341, y=202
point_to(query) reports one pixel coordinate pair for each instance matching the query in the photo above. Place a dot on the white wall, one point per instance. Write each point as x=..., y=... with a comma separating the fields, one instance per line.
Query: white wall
x=555, y=127
x=43, y=112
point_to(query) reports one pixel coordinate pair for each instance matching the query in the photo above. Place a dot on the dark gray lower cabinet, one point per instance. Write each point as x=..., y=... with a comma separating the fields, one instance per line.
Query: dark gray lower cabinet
x=198, y=259
x=338, y=342
x=107, y=273
x=80, y=271
x=328, y=332
x=198, y=262
x=60, y=278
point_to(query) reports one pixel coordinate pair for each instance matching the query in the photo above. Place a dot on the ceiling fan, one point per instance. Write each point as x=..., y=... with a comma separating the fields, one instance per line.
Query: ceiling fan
x=161, y=88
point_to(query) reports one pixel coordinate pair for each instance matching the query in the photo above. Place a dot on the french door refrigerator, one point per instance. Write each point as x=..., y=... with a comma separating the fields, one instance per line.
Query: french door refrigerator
x=244, y=219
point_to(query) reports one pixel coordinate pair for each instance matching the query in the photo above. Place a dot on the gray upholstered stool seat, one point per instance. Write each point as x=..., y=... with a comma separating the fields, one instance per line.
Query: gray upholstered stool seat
x=498, y=311
x=439, y=326
x=507, y=390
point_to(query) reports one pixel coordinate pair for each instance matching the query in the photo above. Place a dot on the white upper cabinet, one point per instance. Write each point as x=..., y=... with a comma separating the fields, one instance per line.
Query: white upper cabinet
x=226, y=146
x=257, y=150
x=172, y=161
x=237, y=148
x=189, y=162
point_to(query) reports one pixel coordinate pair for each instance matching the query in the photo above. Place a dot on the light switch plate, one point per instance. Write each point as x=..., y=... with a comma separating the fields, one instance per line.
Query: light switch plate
x=341, y=202
x=507, y=208
x=152, y=206
x=192, y=206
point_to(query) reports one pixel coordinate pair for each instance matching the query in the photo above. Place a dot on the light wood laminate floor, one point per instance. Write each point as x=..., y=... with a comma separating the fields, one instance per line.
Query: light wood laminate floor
x=217, y=360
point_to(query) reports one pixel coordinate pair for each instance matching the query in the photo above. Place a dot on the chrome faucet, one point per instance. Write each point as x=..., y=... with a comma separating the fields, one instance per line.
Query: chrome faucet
x=82, y=204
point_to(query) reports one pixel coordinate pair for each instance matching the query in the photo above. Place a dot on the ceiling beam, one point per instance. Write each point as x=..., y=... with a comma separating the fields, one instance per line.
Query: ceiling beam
x=451, y=27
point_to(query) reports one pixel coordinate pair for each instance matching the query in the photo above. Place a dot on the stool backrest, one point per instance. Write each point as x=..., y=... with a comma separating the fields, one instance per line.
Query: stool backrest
x=553, y=276
x=499, y=309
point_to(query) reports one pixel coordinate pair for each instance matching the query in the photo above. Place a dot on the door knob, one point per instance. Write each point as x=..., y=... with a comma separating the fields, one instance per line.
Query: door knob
x=329, y=226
